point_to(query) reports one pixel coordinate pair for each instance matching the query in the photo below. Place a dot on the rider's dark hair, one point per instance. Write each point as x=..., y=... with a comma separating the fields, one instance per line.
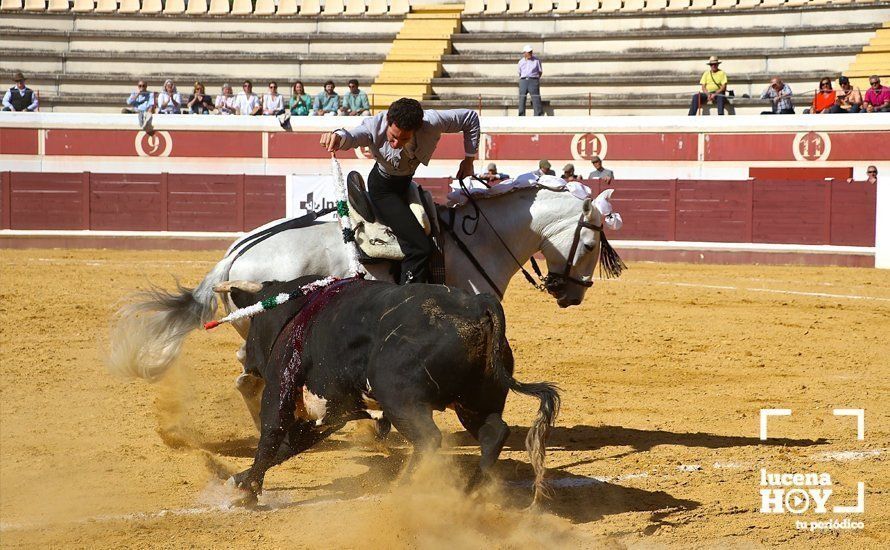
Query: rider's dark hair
x=405, y=113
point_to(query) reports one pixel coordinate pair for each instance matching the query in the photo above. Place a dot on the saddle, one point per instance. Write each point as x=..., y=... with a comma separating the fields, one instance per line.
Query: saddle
x=376, y=241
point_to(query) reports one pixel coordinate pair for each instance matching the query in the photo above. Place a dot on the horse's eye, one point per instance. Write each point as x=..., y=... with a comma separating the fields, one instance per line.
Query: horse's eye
x=588, y=247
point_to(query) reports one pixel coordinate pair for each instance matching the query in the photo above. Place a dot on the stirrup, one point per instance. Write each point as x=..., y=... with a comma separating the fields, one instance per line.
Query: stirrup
x=358, y=199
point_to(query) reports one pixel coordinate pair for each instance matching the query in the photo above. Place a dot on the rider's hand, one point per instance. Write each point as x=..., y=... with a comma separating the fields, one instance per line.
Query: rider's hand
x=465, y=169
x=330, y=141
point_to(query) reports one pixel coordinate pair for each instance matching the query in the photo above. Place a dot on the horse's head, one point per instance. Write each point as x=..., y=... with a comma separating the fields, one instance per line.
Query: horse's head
x=575, y=244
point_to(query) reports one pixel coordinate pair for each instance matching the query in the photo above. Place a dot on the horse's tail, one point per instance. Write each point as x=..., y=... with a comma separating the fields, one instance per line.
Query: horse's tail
x=147, y=335
x=546, y=392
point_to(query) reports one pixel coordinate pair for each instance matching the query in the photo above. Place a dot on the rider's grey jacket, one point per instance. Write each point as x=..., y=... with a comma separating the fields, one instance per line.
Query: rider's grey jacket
x=371, y=133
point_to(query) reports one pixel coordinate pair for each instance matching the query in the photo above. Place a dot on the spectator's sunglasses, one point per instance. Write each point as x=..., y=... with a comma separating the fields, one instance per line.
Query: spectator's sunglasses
x=872, y=172
x=353, y=85
x=245, y=85
x=874, y=82
x=824, y=84
x=273, y=87
x=140, y=85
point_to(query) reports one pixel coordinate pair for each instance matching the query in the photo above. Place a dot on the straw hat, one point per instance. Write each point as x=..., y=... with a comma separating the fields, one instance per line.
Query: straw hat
x=713, y=59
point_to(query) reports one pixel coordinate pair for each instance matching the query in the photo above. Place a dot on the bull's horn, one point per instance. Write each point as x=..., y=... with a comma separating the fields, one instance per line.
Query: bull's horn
x=246, y=286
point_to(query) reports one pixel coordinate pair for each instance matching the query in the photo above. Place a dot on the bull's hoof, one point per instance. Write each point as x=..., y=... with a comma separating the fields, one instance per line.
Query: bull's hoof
x=382, y=427
x=240, y=496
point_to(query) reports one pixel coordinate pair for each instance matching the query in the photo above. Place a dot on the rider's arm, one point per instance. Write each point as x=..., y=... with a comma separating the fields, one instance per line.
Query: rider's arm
x=458, y=120
x=363, y=134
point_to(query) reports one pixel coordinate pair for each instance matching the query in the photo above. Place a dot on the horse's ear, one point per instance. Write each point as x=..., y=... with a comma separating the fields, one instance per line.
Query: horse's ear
x=588, y=207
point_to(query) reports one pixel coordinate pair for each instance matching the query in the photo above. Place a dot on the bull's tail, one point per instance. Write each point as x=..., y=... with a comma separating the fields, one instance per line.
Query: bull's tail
x=546, y=392
x=147, y=335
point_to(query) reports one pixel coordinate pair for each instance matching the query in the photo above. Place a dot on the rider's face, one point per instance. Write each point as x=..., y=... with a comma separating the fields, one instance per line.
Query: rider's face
x=397, y=137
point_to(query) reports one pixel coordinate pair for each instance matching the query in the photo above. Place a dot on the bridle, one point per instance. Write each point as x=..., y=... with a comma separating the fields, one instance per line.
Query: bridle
x=553, y=281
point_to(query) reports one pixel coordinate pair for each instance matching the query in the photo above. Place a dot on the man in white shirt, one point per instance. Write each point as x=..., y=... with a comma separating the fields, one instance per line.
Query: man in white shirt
x=248, y=103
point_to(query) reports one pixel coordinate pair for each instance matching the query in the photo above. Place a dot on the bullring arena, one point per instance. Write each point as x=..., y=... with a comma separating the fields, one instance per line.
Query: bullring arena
x=728, y=390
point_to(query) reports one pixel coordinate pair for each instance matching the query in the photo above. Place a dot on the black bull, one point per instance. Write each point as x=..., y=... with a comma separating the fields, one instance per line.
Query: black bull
x=329, y=357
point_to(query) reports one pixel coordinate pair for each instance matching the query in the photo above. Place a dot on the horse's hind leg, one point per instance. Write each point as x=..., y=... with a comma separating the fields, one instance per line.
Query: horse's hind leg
x=251, y=387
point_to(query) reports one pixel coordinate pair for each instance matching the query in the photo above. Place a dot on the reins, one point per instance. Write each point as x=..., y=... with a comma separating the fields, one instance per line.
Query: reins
x=610, y=263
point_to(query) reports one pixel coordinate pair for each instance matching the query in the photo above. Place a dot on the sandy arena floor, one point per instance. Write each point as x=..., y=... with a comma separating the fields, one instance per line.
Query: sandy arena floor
x=663, y=372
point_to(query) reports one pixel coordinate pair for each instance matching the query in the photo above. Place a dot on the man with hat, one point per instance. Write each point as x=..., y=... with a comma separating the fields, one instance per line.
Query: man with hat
x=600, y=173
x=568, y=173
x=713, y=88
x=20, y=97
x=491, y=174
x=544, y=169
x=530, y=72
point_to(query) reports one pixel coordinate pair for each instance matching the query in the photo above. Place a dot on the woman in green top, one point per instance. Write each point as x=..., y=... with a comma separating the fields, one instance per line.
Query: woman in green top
x=300, y=102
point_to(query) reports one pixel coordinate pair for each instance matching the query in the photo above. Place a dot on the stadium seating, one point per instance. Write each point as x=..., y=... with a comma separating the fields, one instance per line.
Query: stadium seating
x=600, y=56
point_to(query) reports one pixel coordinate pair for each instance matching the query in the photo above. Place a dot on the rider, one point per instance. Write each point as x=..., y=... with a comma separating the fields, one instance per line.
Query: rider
x=401, y=139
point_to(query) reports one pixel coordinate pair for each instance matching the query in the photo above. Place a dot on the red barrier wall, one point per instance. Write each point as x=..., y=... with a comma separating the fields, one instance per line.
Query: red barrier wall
x=833, y=212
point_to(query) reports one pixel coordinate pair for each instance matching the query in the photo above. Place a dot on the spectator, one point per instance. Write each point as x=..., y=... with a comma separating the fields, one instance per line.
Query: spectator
x=491, y=174
x=355, y=103
x=713, y=88
x=248, y=103
x=226, y=102
x=200, y=103
x=825, y=98
x=273, y=102
x=877, y=98
x=169, y=100
x=544, y=169
x=19, y=97
x=530, y=72
x=140, y=101
x=600, y=173
x=568, y=173
x=872, y=173
x=300, y=103
x=849, y=99
x=780, y=94
x=327, y=102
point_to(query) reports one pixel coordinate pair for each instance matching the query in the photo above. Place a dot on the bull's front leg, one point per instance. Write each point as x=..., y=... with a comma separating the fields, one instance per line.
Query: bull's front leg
x=276, y=418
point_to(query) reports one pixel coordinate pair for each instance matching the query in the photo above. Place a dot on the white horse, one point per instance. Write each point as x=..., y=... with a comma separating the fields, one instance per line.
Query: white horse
x=148, y=335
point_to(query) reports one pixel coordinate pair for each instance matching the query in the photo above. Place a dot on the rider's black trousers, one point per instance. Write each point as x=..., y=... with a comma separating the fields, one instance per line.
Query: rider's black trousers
x=390, y=197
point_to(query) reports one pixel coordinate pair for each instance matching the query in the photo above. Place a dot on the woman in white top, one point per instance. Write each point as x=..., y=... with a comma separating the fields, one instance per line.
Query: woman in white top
x=226, y=102
x=273, y=102
x=169, y=100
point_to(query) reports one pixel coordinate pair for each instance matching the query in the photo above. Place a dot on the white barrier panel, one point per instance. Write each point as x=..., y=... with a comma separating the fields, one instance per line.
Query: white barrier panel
x=309, y=192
